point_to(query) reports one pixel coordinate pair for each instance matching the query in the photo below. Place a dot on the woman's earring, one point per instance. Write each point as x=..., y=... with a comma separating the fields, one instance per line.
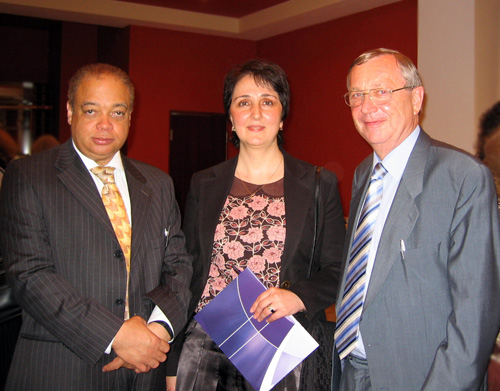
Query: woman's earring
x=232, y=128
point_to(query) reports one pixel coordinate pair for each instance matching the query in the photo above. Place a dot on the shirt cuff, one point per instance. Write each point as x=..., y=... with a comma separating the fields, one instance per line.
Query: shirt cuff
x=108, y=349
x=158, y=316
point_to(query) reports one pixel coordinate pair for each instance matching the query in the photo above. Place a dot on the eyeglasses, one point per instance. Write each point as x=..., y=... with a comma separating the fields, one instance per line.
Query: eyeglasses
x=379, y=96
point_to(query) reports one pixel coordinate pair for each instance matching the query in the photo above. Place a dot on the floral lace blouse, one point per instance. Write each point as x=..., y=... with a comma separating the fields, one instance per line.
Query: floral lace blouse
x=251, y=233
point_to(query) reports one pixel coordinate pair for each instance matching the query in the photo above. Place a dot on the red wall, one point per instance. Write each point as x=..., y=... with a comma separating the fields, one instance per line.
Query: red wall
x=316, y=60
x=185, y=71
x=78, y=48
x=175, y=71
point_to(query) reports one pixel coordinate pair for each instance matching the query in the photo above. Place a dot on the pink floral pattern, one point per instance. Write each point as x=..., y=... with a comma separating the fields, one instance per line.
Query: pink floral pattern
x=251, y=233
x=276, y=208
x=276, y=233
x=220, y=232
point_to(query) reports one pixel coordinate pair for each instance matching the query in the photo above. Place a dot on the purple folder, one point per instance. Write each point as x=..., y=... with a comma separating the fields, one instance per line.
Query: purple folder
x=263, y=352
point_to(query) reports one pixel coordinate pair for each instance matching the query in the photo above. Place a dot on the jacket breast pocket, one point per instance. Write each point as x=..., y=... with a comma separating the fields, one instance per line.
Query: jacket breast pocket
x=423, y=262
x=421, y=253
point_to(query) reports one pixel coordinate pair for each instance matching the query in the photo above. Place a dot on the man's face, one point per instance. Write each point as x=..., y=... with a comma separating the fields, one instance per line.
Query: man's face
x=100, y=119
x=386, y=126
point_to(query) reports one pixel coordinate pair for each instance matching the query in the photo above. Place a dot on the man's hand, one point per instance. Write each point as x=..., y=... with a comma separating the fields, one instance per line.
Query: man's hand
x=118, y=363
x=160, y=331
x=137, y=347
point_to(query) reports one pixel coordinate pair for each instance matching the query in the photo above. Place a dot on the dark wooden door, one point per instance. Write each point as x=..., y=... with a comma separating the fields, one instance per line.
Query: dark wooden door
x=197, y=141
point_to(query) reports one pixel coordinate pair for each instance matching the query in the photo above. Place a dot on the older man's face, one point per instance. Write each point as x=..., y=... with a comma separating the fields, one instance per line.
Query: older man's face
x=386, y=126
x=100, y=119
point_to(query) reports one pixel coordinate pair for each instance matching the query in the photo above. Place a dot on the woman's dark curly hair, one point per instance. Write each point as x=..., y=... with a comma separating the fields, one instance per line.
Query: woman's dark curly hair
x=265, y=73
x=489, y=124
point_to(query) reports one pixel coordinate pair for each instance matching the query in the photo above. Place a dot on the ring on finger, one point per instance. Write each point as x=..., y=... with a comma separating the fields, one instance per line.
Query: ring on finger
x=271, y=309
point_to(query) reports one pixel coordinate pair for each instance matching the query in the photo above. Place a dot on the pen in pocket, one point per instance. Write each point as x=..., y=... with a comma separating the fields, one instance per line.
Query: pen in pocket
x=402, y=249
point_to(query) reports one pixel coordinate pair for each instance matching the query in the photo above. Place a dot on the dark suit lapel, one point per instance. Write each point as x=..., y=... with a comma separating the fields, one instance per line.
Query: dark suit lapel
x=401, y=218
x=140, y=201
x=75, y=176
x=213, y=193
x=298, y=194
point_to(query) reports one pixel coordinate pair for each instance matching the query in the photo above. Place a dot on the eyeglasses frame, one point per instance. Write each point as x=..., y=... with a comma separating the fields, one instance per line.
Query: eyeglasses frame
x=367, y=92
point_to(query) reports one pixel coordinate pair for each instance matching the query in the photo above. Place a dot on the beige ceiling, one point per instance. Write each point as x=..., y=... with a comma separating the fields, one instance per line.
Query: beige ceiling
x=234, y=8
x=260, y=20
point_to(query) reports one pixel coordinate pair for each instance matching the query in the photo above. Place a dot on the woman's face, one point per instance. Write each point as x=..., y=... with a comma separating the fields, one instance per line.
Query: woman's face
x=255, y=113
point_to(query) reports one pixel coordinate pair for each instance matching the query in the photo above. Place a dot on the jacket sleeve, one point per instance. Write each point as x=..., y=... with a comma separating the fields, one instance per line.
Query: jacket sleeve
x=473, y=256
x=189, y=228
x=319, y=291
x=172, y=295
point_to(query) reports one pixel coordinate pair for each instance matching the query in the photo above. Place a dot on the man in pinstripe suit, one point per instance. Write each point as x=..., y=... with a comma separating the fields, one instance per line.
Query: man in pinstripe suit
x=65, y=263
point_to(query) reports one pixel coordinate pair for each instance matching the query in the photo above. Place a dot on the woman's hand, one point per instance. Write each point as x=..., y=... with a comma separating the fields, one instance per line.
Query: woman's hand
x=276, y=302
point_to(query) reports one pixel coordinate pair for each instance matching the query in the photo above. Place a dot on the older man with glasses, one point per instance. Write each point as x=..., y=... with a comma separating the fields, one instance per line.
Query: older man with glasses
x=417, y=307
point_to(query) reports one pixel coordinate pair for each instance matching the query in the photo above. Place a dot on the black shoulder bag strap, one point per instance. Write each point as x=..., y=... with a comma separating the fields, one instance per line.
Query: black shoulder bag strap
x=317, y=177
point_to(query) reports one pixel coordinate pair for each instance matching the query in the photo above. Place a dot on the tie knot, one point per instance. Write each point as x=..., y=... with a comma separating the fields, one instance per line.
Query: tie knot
x=105, y=174
x=378, y=172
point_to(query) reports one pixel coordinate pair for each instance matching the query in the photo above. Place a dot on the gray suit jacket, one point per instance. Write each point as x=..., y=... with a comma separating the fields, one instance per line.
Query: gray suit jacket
x=430, y=318
x=67, y=269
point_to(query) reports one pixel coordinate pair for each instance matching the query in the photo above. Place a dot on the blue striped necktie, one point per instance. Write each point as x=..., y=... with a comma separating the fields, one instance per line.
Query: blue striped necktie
x=347, y=330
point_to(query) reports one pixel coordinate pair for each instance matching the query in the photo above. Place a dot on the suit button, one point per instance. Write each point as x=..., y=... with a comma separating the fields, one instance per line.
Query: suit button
x=285, y=284
x=118, y=254
x=119, y=302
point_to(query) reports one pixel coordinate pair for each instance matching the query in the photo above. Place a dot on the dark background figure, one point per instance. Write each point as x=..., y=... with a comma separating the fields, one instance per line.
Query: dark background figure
x=257, y=211
x=488, y=150
x=10, y=324
x=44, y=142
x=8, y=148
x=10, y=312
x=489, y=142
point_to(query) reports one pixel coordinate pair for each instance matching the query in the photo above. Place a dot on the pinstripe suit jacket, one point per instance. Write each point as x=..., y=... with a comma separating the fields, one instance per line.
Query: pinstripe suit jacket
x=67, y=269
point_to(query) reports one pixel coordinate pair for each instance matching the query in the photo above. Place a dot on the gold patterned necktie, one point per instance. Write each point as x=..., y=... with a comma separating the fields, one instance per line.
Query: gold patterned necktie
x=117, y=213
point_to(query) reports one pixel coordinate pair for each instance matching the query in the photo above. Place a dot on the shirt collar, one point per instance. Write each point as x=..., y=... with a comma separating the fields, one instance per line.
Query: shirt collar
x=395, y=162
x=115, y=162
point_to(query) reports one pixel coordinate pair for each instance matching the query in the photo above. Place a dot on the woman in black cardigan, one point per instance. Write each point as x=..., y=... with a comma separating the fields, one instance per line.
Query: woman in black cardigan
x=257, y=211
